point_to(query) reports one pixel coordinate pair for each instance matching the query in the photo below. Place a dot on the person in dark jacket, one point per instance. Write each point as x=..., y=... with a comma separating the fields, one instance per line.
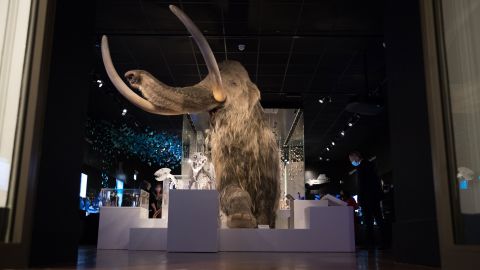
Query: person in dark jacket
x=369, y=194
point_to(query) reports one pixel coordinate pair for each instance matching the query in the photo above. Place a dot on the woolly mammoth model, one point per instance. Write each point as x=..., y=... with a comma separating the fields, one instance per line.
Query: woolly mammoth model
x=243, y=148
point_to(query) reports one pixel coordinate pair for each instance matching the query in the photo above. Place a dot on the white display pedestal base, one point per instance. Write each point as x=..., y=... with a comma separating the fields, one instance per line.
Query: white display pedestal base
x=193, y=227
x=298, y=212
x=115, y=223
x=148, y=239
x=193, y=221
x=330, y=230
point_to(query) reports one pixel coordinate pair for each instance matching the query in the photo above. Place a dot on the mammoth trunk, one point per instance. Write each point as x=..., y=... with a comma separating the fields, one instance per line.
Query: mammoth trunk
x=246, y=160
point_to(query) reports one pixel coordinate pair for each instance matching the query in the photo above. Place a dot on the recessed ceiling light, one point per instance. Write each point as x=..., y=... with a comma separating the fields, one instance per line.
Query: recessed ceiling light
x=241, y=47
x=342, y=133
x=333, y=143
x=124, y=112
x=350, y=124
x=328, y=159
x=328, y=149
x=322, y=100
x=100, y=83
x=320, y=158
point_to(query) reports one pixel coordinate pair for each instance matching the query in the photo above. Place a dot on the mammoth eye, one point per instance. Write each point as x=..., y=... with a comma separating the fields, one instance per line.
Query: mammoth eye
x=233, y=83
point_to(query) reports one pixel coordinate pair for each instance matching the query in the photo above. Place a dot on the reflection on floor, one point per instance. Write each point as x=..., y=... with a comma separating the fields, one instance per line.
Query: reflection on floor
x=89, y=258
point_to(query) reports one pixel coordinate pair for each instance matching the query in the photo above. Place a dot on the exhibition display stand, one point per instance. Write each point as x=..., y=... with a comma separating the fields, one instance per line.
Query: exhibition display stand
x=193, y=226
x=115, y=224
x=193, y=221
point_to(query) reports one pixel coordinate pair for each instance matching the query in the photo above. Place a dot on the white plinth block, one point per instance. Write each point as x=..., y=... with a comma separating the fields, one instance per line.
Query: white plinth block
x=148, y=239
x=331, y=230
x=115, y=224
x=297, y=216
x=193, y=221
x=335, y=225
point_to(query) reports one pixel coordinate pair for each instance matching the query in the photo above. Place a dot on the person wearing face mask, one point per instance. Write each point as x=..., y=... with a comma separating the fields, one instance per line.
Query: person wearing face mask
x=369, y=195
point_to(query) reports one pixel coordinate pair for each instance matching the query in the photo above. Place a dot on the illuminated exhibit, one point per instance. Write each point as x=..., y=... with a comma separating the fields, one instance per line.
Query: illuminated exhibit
x=253, y=157
x=244, y=150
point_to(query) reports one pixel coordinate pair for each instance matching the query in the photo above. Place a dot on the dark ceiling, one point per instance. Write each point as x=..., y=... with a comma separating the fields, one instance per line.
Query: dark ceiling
x=297, y=52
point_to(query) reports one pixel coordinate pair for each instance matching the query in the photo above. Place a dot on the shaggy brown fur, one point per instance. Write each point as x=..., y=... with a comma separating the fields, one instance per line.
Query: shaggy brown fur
x=244, y=152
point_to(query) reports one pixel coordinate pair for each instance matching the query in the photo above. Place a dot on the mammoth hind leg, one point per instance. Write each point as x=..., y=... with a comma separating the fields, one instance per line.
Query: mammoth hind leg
x=237, y=205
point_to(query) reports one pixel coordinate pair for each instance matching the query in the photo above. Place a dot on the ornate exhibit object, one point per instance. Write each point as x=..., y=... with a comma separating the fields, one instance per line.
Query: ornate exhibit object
x=203, y=173
x=243, y=147
x=164, y=175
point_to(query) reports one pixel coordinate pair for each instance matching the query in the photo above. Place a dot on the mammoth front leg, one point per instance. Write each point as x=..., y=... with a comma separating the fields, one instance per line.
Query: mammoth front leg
x=237, y=205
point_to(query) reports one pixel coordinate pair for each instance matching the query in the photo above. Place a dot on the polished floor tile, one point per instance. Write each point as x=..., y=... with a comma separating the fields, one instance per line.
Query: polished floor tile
x=90, y=258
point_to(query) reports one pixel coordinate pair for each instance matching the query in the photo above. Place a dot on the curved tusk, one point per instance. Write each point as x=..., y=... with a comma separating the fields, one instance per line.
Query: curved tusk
x=206, y=51
x=122, y=87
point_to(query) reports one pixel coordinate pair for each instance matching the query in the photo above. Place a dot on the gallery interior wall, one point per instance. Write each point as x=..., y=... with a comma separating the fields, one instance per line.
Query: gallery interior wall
x=415, y=228
x=56, y=218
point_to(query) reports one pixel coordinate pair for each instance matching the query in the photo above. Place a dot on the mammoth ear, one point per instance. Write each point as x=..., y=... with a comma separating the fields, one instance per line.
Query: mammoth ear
x=253, y=94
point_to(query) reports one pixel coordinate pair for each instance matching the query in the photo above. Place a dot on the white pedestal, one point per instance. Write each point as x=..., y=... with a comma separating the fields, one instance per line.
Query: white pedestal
x=331, y=230
x=297, y=216
x=149, y=234
x=193, y=221
x=115, y=224
x=148, y=239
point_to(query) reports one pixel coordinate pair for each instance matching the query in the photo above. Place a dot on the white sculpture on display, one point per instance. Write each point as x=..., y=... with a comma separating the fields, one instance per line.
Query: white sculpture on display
x=465, y=173
x=164, y=175
x=169, y=181
x=203, y=173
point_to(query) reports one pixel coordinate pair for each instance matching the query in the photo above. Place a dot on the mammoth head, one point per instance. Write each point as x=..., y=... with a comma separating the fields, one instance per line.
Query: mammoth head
x=227, y=84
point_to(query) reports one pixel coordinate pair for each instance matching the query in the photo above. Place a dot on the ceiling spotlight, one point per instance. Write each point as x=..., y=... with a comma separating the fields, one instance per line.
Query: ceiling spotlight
x=320, y=158
x=100, y=83
x=350, y=124
x=330, y=99
x=124, y=112
x=342, y=133
x=333, y=143
x=322, y=100
x=328, y=149
x=241, y=47
x=384, y=45
x=328, y=159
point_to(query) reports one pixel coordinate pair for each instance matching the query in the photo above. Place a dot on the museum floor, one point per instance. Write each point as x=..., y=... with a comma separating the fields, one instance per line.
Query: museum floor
x=89, y=258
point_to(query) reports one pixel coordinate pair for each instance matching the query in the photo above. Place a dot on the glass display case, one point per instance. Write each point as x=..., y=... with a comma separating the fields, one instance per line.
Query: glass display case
x=288, y=128
x=112, y=197
x=197, y=169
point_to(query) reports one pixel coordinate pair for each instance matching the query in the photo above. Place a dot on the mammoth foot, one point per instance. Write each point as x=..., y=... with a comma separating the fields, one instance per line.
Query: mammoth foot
x=241, y=220
x=237, y=205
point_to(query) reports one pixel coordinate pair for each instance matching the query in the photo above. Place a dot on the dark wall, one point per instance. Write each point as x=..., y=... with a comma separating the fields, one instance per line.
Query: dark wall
x=415, y=228
x=56, y=217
